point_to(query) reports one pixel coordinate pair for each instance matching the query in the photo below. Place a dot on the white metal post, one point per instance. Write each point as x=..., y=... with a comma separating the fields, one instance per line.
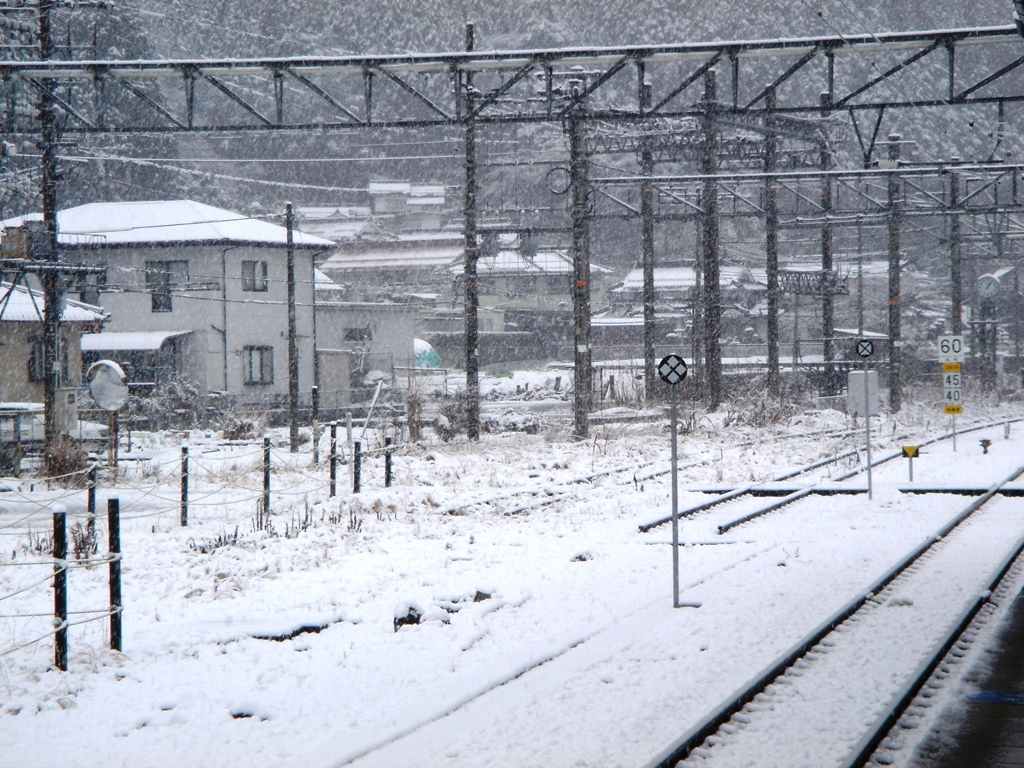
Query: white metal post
x=675, y=500
x=867, y=422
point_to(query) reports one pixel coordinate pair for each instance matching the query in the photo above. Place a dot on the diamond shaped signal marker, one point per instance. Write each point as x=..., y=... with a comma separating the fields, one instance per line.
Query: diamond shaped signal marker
x=672, y=369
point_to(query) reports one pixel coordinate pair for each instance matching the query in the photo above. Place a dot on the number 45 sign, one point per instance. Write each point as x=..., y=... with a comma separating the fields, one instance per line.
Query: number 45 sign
x=951, y=349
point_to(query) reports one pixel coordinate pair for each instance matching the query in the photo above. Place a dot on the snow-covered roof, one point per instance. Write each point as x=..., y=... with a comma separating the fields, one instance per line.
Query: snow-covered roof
x=126, y=340
x=313, y=212
x=684, y=277
x=389, y=188
x=322, y=282
x=427, y=190
x=165, y=221
x=398, y=254
x=19, y=305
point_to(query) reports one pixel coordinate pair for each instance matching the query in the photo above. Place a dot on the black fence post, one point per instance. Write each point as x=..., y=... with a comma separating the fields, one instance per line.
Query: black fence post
x=334, y=457
x=60, y=587
x=357, y=464
x=114, y=553
x=387, y=462
x=266, y=478
x=315, y=403
x=184, y=485
x=91, y=523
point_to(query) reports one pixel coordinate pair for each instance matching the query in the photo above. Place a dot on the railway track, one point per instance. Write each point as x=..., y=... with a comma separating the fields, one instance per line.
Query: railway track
x=744, y=493
x=832, y=698
x=551, y=493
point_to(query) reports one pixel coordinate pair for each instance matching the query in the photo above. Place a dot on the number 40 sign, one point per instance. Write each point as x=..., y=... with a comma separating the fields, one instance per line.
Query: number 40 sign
x=951, y=355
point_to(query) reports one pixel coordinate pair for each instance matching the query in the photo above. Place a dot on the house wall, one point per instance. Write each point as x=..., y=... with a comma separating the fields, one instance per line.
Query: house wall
x=388, y=344
x=226, y=318
x=16, y=340
x=392, y=328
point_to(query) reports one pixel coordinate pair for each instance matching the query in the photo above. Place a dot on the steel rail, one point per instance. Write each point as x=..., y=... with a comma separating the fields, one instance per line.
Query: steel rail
x=901, y=702
x=558, y=493
x=698, y=733
x=804, y=492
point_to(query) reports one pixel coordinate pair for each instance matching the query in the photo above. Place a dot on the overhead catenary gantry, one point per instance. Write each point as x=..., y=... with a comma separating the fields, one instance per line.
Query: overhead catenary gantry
x=952, y=204
x=856, y=73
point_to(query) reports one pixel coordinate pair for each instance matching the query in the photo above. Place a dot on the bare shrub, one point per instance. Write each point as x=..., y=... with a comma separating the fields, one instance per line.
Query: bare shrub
x=65, y=461
x=83, y=541
x=206, y=546
x=238, y=427
x=414, y=416
x=453, y=416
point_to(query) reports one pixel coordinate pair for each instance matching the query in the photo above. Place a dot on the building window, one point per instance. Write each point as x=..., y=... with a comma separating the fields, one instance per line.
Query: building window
x=36, y=358
x=89, y=286
x=358, y=334
x=162, y=279
x=254, y=276
x=258, y=365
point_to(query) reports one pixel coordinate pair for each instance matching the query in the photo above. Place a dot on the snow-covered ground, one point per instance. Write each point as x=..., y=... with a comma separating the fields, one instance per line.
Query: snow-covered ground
x=547, y=636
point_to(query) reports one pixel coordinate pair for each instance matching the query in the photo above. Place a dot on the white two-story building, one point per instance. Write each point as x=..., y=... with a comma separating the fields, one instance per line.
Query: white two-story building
x=195, y=291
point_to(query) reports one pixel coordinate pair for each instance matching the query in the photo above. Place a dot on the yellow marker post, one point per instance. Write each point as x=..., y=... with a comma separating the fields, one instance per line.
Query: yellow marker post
x=910, y=451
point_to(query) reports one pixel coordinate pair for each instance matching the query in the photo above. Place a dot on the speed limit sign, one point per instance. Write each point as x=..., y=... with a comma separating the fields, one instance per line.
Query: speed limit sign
x=951, y=349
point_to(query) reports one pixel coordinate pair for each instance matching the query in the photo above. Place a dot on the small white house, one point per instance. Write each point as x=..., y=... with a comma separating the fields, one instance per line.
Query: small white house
x=195, y=291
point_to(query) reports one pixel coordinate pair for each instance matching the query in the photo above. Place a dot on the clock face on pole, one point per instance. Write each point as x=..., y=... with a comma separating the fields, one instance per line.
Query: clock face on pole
x=988, y=286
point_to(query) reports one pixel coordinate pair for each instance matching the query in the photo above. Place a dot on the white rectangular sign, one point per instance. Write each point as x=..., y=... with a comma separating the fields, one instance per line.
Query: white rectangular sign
x=855, y=405
x=951, y=396
x=951, y=349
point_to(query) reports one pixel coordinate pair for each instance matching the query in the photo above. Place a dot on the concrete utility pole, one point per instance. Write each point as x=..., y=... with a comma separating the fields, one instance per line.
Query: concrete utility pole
x=472, y=256
x=894, y=221
x=581, y=271
x=709, y=242
x=828, y=283
x=771, y=226
x=647, y=258
x=53, y=291
x=293, y=347
x=956, y=288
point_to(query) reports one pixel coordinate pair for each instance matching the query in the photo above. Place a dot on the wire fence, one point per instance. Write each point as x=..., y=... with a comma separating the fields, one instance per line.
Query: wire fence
x=217, y=478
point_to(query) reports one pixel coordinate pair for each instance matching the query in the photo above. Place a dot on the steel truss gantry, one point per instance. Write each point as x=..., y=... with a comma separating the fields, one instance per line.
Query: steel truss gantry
x=778, y=81
x=952, y=205
x=857, y=72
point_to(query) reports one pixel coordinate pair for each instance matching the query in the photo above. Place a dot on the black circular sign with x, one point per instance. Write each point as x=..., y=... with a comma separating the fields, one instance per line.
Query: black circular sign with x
x=672, y=369
x=865, y=348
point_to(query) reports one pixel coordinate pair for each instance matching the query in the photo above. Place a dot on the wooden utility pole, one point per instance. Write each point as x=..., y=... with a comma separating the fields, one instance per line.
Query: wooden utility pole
x=53, y=293
x=472, y=256
x=293, y=347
